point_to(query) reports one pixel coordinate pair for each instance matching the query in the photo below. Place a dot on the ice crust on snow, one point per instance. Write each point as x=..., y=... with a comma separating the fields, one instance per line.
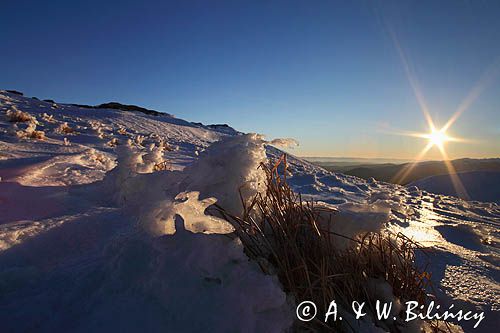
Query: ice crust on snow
x=284, y=142
x=222, y=171
x=353, y=219
x=227, y=168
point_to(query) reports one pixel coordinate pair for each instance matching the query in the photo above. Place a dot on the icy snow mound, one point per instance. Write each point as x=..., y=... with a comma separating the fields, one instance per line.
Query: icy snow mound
x=481, y=185
x=225, y=169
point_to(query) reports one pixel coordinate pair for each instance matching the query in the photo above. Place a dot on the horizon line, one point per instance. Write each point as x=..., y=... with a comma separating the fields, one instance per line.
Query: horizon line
x=397, y=158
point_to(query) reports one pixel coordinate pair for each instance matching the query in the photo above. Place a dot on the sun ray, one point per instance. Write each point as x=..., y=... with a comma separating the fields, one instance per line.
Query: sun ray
x=404, y=133
x=412, y=80
x=486, y=79
x=455, y=179
x=438, y=136
x=400, y=177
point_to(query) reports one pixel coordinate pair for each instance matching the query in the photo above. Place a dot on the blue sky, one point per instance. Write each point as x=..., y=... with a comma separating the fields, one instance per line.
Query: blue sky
x=324, y=72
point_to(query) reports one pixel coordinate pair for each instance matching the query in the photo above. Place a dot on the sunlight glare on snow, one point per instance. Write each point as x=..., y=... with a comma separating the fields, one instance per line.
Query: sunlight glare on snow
x=422, y=230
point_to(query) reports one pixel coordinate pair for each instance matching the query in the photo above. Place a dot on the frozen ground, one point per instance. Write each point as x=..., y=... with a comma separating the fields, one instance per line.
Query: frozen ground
x=84, y=248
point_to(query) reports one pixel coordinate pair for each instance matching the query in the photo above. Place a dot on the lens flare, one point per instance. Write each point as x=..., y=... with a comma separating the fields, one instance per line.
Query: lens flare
x=438, y=137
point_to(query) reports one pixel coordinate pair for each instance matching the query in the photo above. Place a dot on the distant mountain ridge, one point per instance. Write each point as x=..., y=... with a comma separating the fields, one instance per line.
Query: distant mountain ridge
x=480, y=185
x=388, y=171
x=123, y=107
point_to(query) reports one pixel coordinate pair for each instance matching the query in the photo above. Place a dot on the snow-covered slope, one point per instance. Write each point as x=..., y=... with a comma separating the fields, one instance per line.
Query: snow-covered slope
x=481, y=185
x=92, y=240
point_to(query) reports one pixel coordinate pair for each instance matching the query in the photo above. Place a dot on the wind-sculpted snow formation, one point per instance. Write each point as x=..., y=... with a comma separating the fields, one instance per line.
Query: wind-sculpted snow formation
x=103, y=225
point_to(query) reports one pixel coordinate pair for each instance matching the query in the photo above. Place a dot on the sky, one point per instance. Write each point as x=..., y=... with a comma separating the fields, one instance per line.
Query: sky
x=334, y=75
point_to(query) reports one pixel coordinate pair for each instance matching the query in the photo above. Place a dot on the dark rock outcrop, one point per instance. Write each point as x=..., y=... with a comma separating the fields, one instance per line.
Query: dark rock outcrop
x=15, y=92
x=126, y=107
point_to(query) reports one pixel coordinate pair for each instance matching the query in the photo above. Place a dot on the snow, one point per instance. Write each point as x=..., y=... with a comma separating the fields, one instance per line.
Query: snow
x=95, y=236
x=353, y=219
x=284, y=142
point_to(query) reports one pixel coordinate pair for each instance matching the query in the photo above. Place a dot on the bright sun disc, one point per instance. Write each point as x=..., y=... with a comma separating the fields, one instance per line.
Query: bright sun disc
x=437, y=138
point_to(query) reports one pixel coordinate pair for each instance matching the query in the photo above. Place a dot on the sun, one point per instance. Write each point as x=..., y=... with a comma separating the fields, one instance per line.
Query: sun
x=437, y=137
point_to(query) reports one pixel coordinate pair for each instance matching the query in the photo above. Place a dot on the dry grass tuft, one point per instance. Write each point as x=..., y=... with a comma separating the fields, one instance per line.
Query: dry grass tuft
x=139, y=139
x=283, y=234
x=31, y=133
x=167, y=147
x=113, y=142
x=48, y=118
x=37, y=135
x=64, y=128
x=163, y=166
x=16, y=116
